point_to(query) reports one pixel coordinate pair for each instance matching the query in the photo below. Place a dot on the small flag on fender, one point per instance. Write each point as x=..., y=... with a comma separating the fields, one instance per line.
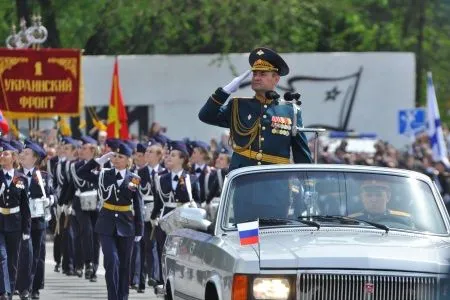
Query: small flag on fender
x=248, y=233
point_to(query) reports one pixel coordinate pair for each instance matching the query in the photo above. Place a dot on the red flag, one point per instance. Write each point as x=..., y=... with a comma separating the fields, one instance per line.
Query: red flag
x=4, y=127
x=117, y=115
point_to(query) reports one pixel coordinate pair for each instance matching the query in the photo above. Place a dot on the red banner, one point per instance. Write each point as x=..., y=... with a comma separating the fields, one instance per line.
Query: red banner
x=40, y=83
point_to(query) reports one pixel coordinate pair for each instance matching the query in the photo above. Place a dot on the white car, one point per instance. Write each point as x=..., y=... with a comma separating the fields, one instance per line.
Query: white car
x=325, y=232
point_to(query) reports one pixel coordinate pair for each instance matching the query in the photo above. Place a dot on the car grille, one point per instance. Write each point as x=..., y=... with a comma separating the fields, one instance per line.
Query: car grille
x=365, y=287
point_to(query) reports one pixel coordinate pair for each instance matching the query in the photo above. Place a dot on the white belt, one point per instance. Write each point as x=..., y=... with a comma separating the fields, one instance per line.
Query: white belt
x=148, y=198
x=9, y=211
x=173, y=204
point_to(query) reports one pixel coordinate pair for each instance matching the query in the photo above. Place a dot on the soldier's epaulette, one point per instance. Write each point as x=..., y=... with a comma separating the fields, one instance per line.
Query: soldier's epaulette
x=399, y=213
x=295, y=189
x=355, y=215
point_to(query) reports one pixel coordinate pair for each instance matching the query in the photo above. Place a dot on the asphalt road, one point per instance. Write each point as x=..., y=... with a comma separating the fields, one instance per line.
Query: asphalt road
x=61, y=287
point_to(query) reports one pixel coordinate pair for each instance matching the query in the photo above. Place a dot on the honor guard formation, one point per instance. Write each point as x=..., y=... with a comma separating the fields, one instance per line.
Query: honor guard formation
x=89, y=193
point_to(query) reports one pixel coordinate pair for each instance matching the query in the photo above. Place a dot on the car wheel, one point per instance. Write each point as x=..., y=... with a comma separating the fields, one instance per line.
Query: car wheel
x=168, y=295
x=211, y=292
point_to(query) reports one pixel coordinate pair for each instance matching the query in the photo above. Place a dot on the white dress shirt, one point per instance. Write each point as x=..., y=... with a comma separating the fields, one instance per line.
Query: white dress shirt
x=11, y=174
x=25, y=172
x=122, y=173
x=175, y=183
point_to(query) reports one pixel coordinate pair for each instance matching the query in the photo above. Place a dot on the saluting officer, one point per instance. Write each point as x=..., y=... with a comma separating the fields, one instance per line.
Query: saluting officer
x=120, y=221
x=261, y=130
x=40, y=195
x=15, y=218
x=173, y=189
x=86, y=213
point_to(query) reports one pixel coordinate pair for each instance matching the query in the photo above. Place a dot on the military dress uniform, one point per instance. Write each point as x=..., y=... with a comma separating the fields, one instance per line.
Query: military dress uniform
x=30, y=276
x=172, y=190
x=15, y=224
x=66, y=192
x=262, y=131
x=147, y=190
x=86, y=218
x=120, y=220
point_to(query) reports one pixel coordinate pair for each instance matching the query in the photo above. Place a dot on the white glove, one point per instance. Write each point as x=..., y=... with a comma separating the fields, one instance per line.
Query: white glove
x=154, y=222
x=105, y=157
x=25, y=237
x=46, y=202
x=190, y=204
x=203, y=205
x=59, y=210
x=234, y=84
x=137, y=238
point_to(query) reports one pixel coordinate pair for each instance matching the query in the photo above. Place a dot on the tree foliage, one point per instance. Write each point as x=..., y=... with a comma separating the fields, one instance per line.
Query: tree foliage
x=224, y=26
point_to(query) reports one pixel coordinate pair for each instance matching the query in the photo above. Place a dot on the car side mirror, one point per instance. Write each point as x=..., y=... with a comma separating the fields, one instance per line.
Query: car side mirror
x=185, y=217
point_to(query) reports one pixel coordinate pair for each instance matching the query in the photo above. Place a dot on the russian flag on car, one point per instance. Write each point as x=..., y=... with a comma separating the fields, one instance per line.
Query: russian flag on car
x=248, y=233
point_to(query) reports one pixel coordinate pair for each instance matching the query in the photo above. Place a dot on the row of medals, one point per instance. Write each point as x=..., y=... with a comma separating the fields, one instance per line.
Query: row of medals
x=281, y=125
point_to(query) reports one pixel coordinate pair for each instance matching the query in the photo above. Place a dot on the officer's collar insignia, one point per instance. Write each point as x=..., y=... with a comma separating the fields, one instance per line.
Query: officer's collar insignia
x=260, y=52
x=263, y=100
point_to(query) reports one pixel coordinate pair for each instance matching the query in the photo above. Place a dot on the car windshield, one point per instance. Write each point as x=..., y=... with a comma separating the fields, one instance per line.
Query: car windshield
x=395, y=202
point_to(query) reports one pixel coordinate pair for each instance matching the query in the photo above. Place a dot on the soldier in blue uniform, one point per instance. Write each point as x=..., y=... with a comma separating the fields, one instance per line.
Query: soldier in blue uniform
x=172, y=190
x=153, y=156
x=137, y=269
x=65, y=193
x=40, y=195
x=206, y=175
x=15, y=218
x=86, y=212
x=120, y=221
x=262, y=131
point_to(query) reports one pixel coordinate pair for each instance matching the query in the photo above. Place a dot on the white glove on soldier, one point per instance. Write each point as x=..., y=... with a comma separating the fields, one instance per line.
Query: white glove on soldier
x=234, y=84
x=154, y=222
x=46, y=202
x=105, y=157
x=25, y=237
x=137, y=238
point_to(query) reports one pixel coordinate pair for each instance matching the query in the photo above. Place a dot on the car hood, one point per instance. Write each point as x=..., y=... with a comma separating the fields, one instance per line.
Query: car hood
x=352, y=250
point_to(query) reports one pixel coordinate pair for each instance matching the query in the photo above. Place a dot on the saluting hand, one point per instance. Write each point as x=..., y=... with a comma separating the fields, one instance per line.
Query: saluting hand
x=234, y=84
x=104, y=158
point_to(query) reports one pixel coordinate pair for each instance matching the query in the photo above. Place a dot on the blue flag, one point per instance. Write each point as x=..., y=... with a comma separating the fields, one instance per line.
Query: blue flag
x=435, y=134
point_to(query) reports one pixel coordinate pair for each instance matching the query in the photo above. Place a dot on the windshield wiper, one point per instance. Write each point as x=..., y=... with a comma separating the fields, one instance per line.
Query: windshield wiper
x=282, y=221
x=346, y=220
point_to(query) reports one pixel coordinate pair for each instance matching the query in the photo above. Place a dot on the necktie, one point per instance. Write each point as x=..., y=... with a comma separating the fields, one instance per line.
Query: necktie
x=198, y=170
x=175, y=178
x=118, y=176
x=7, y=176
x=29, y=174
x=153, y=173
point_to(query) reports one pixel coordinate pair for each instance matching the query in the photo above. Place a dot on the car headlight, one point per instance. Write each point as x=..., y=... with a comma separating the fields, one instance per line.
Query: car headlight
x=271, y=288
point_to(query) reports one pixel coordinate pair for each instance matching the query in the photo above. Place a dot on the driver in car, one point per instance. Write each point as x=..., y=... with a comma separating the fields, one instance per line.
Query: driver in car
x=375, y=196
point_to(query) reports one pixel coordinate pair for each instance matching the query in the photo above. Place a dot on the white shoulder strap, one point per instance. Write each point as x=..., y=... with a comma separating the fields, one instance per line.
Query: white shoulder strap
x=294, y=119
x=220, y=178
x=188, y=186
x=41, y=183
